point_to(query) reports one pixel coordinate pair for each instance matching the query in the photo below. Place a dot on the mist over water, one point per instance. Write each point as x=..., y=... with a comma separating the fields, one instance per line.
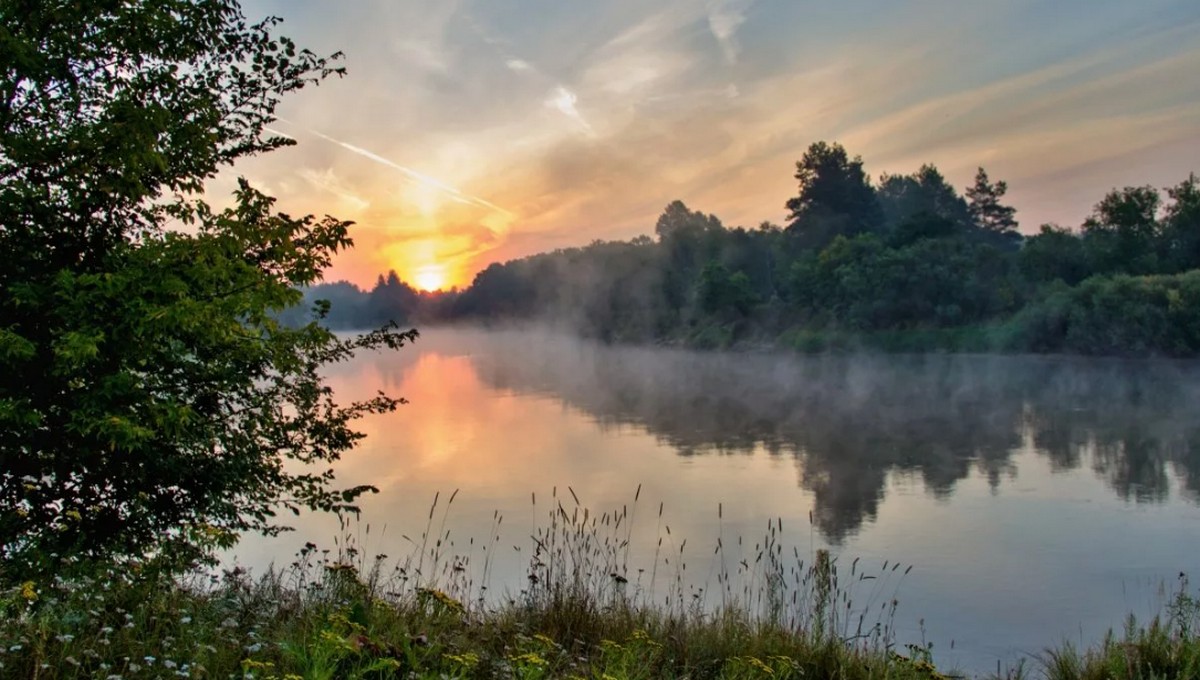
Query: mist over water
x=1039, y=499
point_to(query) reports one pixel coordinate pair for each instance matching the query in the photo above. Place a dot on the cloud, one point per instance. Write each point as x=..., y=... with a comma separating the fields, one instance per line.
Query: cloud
x=415, y=176
x=425, y=54
x=585, y=119
x=724, y=18
x=564, y=101
x=328, y=181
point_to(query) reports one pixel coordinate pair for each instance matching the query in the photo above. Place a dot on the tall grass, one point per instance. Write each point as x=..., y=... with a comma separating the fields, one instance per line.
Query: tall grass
x=585, y=610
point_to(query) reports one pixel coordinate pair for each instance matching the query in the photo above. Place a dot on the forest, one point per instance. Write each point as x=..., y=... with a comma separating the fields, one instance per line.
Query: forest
x=904, y=263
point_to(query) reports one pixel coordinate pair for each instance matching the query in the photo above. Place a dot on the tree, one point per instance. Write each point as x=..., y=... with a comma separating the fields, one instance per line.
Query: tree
x=678, y=220
x=1181, y=224
x=721, y=292
x=923, y=195
x=835, y=197
x=1054, y=254
x=1123, y=234
x=150, y=402
x=983, y=201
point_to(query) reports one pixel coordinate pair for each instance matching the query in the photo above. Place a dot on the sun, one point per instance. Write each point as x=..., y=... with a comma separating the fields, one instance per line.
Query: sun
x=431, y=277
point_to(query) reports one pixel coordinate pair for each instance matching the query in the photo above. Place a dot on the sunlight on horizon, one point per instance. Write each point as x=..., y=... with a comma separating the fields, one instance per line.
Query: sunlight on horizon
x=431, y=277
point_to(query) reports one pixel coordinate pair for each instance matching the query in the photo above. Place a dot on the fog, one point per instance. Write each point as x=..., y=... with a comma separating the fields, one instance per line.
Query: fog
x=851, y=420
x=1036, y=497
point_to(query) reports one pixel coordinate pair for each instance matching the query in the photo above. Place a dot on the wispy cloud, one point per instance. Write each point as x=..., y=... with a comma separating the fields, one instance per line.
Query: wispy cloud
x=415, y=176
x=327, y=180
x=724, y=18
x=585, y=119
x=564, y=101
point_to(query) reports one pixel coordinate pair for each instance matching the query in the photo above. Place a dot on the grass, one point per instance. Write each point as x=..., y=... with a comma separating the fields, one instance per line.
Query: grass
x=583, y=613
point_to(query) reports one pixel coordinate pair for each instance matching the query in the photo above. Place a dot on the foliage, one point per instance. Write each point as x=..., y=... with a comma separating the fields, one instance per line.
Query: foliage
x=835, y=198
x=907, y=266
x=150, y=403
x=1117, y=315
x=986, y=209
x=348, y=616
x=1167, y=648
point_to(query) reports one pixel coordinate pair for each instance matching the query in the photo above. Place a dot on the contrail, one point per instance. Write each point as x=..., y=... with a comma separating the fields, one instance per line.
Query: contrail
x=419, y=177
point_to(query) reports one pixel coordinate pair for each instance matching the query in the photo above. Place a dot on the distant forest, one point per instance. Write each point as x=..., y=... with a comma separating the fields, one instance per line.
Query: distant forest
x=904, y=264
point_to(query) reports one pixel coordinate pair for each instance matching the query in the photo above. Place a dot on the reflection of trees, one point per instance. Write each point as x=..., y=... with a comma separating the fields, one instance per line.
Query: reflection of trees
x=851, y=421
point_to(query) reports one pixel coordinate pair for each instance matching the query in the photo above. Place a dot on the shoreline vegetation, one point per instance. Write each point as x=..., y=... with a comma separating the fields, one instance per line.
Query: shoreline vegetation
x=584, y=612
x=153, y=407
x=902, y=264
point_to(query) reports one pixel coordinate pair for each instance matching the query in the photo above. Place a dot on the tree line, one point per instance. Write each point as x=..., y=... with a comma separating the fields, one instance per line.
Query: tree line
x=902, y=263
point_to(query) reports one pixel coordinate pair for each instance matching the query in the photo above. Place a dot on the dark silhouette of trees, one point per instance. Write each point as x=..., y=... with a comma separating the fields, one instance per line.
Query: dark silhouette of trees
x=835, y=198
x=912, y=265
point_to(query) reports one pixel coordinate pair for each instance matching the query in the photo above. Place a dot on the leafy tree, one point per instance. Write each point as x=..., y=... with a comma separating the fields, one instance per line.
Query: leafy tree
x=1181, y=225
x=922, y=195
x=689, y=240
x=722, y=292
x=1123, y=234
x=150, y=402
x=835, y=198
x=1054, y=254
x=393, y=300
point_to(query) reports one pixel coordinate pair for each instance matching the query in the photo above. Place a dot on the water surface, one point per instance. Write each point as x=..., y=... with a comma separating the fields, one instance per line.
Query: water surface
x=1038, y=499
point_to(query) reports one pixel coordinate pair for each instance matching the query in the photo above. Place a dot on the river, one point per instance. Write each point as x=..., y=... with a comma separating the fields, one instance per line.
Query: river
x=1037, y=500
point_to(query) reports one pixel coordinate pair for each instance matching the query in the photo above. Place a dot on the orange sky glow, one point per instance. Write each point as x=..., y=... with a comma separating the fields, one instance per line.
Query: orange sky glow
x=471, y=132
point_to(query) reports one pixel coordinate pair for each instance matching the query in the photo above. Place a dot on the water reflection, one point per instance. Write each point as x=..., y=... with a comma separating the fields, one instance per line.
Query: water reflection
x=1038, y=497
x=851, y=421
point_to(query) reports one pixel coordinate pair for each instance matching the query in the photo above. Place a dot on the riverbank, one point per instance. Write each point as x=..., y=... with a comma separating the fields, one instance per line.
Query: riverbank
x=346, y=617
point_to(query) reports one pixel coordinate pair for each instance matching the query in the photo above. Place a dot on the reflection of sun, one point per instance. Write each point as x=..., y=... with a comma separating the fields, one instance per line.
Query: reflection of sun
x=431, y=277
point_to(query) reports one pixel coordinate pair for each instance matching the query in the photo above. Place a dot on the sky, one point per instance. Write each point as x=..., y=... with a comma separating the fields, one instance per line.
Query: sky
x=476, y=131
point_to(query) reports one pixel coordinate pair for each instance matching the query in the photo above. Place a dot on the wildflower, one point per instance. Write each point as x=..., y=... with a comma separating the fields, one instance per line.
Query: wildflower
x=530, y=658
x=466, y=659
x=755, y=662
x=149, y=660
x=167, y=663
x=254, y=648
x=29, y=591
x=185, y=620
x=64, y=637
x=134, y=668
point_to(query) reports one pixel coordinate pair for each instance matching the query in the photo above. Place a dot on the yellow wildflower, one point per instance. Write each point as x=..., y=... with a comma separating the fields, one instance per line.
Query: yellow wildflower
x=29, y=591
